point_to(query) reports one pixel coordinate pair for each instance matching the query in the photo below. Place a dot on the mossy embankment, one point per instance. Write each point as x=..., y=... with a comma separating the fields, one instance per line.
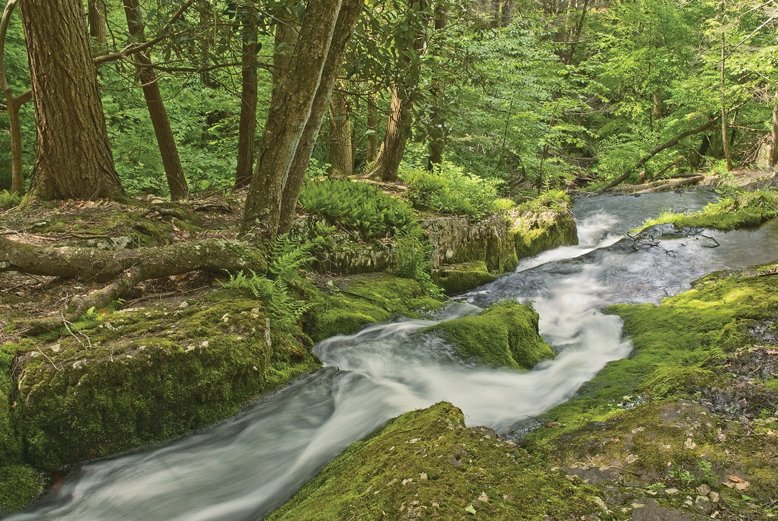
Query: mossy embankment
x=427, y=465
x=505, y=335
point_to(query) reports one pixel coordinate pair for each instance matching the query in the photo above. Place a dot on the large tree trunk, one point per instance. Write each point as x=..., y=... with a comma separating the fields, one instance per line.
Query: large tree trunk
x=74, y=158
x=167, y=144
x=437, y=123
x=349, y=12
x=247, y=132
x=288, y=115
x=341, y=157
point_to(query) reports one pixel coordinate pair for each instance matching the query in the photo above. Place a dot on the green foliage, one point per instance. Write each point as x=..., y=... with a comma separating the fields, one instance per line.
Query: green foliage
x=412, y=260
x=9, y=199
x=449, y=189
x=19, y=485
x=356, y=206
x=285, y=265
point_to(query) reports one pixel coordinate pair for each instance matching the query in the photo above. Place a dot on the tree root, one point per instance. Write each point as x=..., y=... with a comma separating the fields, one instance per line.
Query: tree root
x=124, y=269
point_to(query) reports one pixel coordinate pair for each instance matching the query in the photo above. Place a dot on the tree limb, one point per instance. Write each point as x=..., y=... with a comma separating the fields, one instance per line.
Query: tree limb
x=702, y=128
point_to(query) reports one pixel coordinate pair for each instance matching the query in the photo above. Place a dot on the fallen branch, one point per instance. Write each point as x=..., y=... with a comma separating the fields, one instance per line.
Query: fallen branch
x=702, y=128
x=672, y=185
x=125, y=268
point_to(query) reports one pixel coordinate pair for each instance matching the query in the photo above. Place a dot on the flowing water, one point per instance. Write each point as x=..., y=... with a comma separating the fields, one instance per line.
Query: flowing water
x=245, y=467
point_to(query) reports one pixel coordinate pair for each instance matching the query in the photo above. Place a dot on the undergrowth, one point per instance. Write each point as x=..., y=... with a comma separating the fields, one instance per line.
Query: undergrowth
x=359, y=207
x=449, y=189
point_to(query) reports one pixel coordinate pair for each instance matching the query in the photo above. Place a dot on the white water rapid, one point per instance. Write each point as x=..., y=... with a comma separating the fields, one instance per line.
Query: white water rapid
x=243, y=468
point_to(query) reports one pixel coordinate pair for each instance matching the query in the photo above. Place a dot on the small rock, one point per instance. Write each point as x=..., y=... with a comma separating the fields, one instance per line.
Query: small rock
x=703, y=490
x=483, y=498
x=56, y=348
x=423, y=476
x=183, y=304
x=689, y=444
x=204, y=344
x=671, y=491
x=714, y=497
x=689, y=501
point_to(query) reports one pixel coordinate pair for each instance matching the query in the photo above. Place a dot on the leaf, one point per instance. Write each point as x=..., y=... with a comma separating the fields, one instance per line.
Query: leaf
x=470, y=509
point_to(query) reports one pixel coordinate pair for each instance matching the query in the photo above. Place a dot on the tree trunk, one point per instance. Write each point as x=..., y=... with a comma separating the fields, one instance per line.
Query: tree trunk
x=349, y=12
x=74, y=158
x=247, y=132
x=13, y=104
x=774, y=149
x=97, y=27
x=437, y=123
x=724, y=140
x=288, y=115
x=398, y=129
x=372, y=127
x=283, y=47
x=167, y=144
x=341, y=157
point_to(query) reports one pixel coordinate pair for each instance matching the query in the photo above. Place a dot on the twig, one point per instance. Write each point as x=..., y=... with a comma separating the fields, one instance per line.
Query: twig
x=49, y=359
x=711, y=238
x=67, y=326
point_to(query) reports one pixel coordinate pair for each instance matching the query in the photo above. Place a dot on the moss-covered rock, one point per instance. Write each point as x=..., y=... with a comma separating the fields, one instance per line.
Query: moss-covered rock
x=456, y=278
x=538, y=229
x=19, y=485
x=427, y=465
x=141, y=376
x=505, y=335
x=349, y=303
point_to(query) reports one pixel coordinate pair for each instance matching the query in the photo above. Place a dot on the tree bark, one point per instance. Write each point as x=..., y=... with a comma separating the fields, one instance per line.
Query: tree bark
x=288, y=116
x=341, y=157
x=398, y=127
x=774, y=148
x=13, y=104
x=349, y=12
x=125, y=268
x=97, y=26
x=372, y=127
x=74, y=159
x=437, y=123
x=724, y=140
x=247, y=132
x=167, y=144
x=702, y=128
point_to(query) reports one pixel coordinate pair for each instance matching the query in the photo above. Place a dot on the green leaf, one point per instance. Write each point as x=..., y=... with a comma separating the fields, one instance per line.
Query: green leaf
x=470, y=509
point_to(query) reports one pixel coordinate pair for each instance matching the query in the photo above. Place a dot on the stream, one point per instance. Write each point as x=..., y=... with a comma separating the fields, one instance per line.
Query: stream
x=243, y=468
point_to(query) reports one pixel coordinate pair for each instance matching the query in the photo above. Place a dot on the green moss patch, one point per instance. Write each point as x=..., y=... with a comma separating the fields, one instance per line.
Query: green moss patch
x=349, y=303
x=427, y=465
x=739, y=210
x=19, y=485
x=141, y=376
x=457, y=278
x=505, y=335
x=543, y=223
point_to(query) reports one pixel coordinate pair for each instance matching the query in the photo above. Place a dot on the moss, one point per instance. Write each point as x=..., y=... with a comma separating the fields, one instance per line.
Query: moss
x=542, y=224
x=505, y=335
x=19, y=485
x=666, y=382
x=426, y=464
x=740, y=210
x=349, y=303
x=145, y=376
x=462, y=277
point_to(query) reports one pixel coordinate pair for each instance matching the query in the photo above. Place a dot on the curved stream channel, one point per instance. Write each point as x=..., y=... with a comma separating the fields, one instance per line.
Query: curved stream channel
x=245, y=467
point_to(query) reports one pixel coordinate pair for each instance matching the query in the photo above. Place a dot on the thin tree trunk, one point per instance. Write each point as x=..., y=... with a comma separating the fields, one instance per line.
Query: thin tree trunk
x=577, y=33
x=13, y=104
x=349, y=12
x=96, y=15
x=288, y=115
x=437, y=123
x=167, y=144
x=774, y=148
x=506, y=17
x=724, y=140
x=283, y=45
x=247, y=132
x=702, y=128
x=372, y=127
x=341, y=157
x=74, y=159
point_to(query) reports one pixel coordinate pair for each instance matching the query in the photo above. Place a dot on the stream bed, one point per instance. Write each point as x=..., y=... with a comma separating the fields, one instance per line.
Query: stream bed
x=243, y=468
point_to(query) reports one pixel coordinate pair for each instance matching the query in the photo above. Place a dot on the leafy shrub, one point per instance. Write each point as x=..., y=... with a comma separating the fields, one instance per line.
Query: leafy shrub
x=357, y=206
x=449, y=189
x=9, y=199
